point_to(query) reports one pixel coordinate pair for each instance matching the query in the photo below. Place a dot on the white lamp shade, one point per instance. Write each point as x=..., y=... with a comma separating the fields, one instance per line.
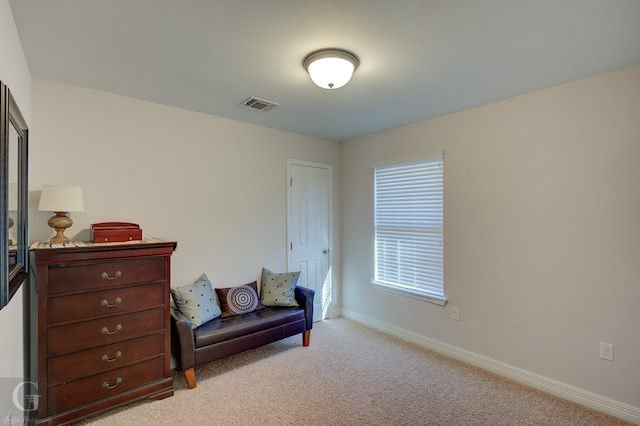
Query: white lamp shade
x=61, y=198
x=331, y=68
x=13, y=196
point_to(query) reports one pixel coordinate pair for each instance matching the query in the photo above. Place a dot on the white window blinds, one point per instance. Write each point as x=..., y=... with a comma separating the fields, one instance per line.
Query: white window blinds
x=408, y=221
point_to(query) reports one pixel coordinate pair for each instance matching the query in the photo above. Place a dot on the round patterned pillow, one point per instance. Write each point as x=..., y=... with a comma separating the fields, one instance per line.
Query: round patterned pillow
x=242, y=300
x=239, y=300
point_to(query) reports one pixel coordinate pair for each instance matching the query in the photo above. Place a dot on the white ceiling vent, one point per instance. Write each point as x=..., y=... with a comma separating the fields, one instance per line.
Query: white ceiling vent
x=259, y=104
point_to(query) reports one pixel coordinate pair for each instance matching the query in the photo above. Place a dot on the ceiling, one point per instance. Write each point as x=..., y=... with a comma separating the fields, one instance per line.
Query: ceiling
x=419, y=58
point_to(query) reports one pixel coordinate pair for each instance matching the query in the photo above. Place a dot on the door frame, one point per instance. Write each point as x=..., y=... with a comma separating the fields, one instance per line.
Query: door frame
x=329, y=168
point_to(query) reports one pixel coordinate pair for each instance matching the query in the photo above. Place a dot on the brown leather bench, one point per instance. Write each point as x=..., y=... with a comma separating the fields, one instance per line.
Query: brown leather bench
x=222, y=337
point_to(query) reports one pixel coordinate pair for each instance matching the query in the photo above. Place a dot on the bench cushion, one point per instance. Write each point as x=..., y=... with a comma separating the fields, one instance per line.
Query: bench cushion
x=221, y=329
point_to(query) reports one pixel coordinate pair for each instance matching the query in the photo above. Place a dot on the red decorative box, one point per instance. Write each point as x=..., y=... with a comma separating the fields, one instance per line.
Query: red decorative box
x=115, y=232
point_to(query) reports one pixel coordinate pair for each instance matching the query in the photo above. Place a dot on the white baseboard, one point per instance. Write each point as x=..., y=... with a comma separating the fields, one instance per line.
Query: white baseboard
x=571, y=393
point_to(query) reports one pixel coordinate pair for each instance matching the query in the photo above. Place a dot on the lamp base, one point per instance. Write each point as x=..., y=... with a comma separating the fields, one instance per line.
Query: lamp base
x=60, y=222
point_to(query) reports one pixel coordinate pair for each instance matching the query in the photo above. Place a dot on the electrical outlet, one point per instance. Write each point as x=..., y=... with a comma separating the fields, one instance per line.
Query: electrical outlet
x=606, y=351
x=455, y=314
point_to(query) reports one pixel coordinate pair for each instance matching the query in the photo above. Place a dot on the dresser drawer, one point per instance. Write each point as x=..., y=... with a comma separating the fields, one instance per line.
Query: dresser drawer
x=89, y=334
x=67, y=368
x=104, y=385
x=91, y=304
x=96, y=276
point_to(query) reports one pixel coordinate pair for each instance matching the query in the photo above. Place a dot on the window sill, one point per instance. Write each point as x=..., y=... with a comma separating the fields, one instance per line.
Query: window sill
x=441, y=301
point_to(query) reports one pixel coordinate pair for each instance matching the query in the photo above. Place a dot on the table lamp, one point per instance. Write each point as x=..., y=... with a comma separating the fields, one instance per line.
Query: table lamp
x=60, y=199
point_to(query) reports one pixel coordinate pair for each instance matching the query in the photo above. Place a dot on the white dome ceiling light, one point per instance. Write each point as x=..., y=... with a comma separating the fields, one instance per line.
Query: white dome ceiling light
x=331, y=68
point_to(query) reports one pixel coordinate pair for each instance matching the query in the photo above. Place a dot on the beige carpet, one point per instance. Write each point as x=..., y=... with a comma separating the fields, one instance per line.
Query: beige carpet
x=350, y=375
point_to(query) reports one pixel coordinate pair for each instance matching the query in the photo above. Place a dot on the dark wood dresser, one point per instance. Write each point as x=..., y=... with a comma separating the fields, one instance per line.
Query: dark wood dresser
x=102, y=330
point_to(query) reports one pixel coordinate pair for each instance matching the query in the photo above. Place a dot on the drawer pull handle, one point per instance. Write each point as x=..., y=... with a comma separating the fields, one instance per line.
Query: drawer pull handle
x=105, y=330
x=106, y=276
x=107, y=359
x=108, y=305
x=106, y=385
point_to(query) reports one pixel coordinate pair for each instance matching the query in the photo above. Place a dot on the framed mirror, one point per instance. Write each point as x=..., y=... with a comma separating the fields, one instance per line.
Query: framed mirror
x=14, y=250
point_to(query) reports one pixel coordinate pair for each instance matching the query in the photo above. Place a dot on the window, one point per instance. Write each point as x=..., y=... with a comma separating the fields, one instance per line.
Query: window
x=409, y=229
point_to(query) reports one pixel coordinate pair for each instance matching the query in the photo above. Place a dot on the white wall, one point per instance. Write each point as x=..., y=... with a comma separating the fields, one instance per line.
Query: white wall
x=216, y=186
x=14, y=72
x=542, y=232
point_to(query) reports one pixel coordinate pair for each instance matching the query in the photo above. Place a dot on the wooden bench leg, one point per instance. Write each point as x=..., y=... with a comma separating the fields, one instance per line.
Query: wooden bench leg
x=190, y=376
x=306, y=338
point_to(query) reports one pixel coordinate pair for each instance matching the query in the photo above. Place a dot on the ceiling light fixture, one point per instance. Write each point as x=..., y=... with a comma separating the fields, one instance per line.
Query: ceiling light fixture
x=331, y=68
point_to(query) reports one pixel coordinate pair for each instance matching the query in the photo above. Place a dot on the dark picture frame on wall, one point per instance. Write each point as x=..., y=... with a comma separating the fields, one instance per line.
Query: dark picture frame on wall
x=14, y=249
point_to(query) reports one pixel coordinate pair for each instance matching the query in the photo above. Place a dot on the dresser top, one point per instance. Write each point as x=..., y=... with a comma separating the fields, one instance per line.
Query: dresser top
x=79, y=251
x=88, y=244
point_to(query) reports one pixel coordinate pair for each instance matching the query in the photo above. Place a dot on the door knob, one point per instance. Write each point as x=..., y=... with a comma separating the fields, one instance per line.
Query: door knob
x=325, y=251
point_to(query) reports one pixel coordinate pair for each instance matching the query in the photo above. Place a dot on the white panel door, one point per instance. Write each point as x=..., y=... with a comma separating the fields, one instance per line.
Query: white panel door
x=308, y=228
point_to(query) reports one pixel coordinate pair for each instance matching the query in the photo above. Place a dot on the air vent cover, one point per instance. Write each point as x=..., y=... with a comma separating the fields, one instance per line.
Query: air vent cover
x=259, y=104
